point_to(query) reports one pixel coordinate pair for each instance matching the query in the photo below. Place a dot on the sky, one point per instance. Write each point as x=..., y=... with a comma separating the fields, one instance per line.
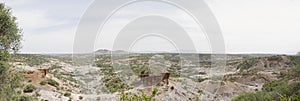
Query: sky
x=248, y=26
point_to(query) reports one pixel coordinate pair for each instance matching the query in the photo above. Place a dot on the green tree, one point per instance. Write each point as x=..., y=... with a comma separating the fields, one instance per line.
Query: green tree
x=10, y=42
x=10, y=33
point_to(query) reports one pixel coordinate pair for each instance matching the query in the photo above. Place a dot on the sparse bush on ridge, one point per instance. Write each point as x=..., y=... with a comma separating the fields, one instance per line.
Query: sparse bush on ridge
x=201, y=79
x=67, y=94
x=29, y=88
x=80, y=97
x=53, y=67
x=30, y=59
x=52, y=82
x=43, y=82
x=110, y=79
x=246, y=64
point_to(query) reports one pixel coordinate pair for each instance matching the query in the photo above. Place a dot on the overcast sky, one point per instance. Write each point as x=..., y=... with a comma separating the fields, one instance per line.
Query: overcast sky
x=248, y=26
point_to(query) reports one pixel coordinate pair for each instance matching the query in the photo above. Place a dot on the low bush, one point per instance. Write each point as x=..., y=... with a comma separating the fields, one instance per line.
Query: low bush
x=43, y=82
x=246, y=64
x=139, y=96
x=29, y=88
x=52, y=82
x=201, y=79
x=80, y=97
x=53, y=67
x=67, y=94
x=23, y=97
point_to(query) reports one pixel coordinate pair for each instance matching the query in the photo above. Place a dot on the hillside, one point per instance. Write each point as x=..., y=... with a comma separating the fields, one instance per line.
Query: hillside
x=57, y=77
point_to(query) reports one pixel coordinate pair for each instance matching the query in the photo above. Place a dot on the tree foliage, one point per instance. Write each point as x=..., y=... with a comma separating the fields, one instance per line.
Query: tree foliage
x=9, y=81
x=10, y=33
x=10, y=41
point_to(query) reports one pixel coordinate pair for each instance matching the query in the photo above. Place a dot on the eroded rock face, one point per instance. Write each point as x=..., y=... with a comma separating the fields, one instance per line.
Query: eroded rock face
x=44, y=72
x=151, y=79
x=36, y=75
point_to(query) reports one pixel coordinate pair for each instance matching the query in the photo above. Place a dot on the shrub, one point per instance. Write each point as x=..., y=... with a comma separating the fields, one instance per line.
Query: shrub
x=155, y=91
x=246, y=64
x=80, y=97
x=139, y=96
x=202, y=73
x=113, y=82
x=29, y=88
x=52, y=82
x=43, y=82
x=53, y=67
x=259, y=96
x=200, y=91
x=10, y=41
x=201, y=79
x=23, y=97
x=295, y=72
x=67, y=94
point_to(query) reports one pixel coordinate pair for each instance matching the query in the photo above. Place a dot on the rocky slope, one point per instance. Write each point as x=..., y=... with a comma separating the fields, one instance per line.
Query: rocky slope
x=99, y=81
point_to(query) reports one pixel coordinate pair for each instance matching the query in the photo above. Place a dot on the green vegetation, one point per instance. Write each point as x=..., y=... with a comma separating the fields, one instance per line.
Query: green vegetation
x=67, y=94
x=172, y=57
x=23, y=97
x=285, y=89
x=10, y=37
x=273, y=91
x=232, y=62
x=43, y=82
x=114, y=84
x=246, y=64
x=52, y=82
x=139, y=96
x=174, y=70
x=30, y=59
x=295, y=60
x=80, y=97
x=201, y=79
x=29, y=88
x=258, y=96
x=53, y=67
x=64, y=77
x=110, y=79
x=202, y=73
x=10, y=41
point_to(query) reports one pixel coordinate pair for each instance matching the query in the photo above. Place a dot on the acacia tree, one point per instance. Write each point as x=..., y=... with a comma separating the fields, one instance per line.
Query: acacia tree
x=10, y=33
x=10, y=41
